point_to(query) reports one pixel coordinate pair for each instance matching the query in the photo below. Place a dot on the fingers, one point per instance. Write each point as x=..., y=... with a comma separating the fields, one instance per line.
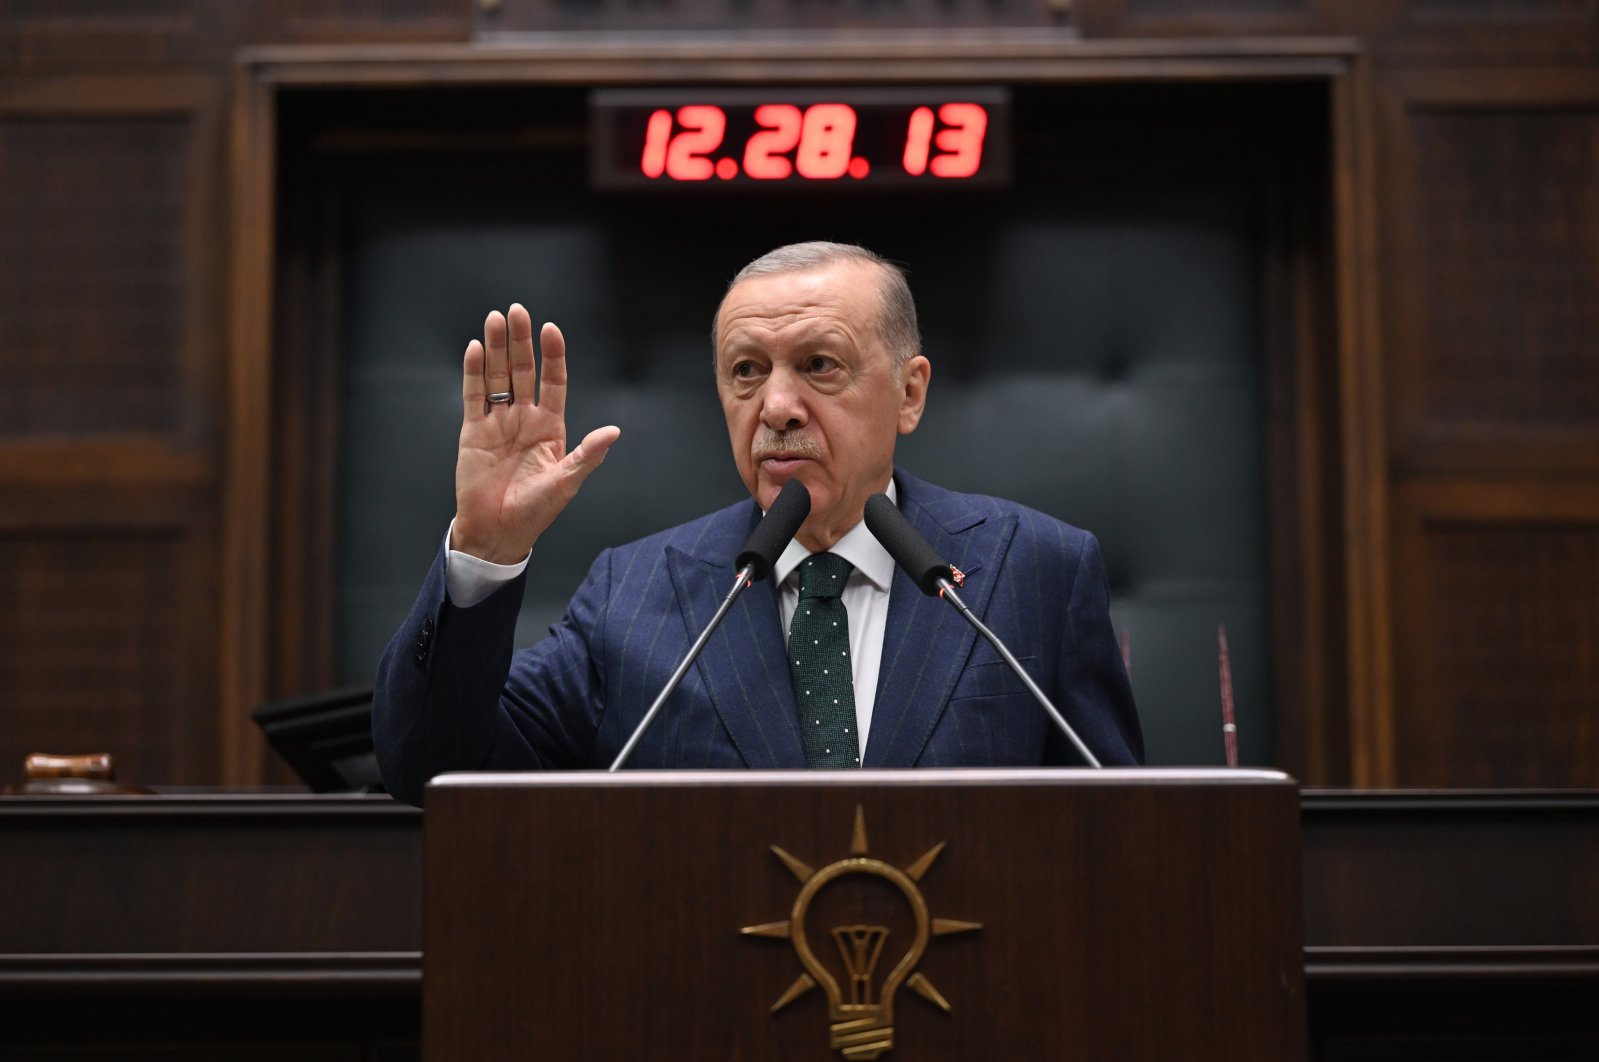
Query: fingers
x=505, y=362
x=496, y=370
x=520, y=327
x=472, y=390
x=552, y=374
x=587, y=455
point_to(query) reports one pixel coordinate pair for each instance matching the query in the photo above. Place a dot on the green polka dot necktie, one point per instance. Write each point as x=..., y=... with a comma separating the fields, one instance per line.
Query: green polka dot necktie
x=819, y=663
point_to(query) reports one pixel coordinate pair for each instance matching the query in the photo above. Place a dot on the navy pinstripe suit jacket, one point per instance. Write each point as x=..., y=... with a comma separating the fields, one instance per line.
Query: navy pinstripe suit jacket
x=452, y=694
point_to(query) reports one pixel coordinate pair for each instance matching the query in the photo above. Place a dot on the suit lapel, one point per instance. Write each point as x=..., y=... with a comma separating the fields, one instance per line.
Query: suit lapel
x=926, y=642
x=743, y=666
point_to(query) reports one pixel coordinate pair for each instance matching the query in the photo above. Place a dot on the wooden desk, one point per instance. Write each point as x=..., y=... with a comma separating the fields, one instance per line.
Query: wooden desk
x=214, y=926
x=254, y=926
x=1452, y=925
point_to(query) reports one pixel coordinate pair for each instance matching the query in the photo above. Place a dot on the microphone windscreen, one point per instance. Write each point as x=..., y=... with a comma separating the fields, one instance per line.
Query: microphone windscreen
x=909, y=549
x=780, y=524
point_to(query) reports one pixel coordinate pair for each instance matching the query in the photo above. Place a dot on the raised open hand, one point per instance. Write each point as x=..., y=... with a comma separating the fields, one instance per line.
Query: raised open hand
x=513, y=474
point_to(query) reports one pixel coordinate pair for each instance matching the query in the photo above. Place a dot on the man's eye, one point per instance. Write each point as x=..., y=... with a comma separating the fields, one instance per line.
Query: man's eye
x=821, y=363
x=744, y=370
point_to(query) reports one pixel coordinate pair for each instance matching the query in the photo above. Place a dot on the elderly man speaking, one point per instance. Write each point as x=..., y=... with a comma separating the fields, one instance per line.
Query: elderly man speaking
x=837, y=661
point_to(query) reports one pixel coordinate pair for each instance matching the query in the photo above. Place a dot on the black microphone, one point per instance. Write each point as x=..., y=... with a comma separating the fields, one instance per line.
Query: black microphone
x=918, y=560
x=755, y=561
x=909, y=549
x=776, y=529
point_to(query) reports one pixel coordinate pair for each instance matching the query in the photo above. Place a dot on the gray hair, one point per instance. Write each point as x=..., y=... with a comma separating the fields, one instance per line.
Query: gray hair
x=896, y=318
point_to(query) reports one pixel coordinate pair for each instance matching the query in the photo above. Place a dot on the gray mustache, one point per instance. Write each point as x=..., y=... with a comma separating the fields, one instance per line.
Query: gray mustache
x=769, y=443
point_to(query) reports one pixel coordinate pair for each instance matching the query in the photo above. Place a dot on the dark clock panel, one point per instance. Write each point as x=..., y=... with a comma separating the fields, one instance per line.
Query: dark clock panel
x=845, y=138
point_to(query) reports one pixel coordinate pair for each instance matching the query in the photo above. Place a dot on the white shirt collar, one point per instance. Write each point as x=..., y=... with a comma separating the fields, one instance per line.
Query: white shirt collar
x=858, y=546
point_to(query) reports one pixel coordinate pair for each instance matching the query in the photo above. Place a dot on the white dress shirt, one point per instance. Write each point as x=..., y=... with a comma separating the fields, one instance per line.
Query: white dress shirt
x=469, y=580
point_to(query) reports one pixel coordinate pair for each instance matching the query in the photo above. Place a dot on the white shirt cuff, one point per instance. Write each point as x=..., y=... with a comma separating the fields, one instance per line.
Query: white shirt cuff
x=468, y=579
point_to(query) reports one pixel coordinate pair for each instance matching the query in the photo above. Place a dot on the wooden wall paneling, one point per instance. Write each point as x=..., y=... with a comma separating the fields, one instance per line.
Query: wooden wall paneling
x=1363, y=464
x=864, y=58
x=1201, y=18
x=92, y=208
x=112, y=35
x=108, y=289
x=304, y=21
x=1529, y=33
x=84, y=468
x=1493, y=222
x=1419, y=34
x=247, y=482
x=1497, y=633
x=511, y=18
x=107, y=640
x=102, y=36
x=109, y=419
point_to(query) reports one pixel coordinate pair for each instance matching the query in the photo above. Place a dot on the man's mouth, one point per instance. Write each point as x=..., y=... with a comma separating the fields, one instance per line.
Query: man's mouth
x=783, y=463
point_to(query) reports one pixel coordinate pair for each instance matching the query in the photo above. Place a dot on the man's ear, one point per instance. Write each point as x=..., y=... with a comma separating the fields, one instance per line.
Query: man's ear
x=913, y=377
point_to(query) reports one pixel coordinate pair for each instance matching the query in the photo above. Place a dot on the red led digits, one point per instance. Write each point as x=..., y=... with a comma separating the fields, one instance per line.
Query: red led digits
x=826, y=141
x=655, y=138
x=702, y=133
x=824, y=135
x=815, y=143
x=918, y=138
x=963, y=140
x=682, y=157
x=780, y=131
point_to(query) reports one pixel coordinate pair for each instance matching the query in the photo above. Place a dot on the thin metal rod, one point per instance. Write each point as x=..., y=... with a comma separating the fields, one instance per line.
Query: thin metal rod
x=744, y=575
x=947, y=592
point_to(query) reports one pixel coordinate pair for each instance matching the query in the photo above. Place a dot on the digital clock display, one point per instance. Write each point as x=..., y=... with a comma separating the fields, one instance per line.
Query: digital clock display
x=846, y=138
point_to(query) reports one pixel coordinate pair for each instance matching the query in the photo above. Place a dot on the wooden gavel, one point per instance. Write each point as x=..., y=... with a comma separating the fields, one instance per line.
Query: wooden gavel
x=94, y=774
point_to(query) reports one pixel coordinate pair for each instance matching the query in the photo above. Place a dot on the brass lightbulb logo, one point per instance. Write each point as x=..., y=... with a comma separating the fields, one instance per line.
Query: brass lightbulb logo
x=862, y=1018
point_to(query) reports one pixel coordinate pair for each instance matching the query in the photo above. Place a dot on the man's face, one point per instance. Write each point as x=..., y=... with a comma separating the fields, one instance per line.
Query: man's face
x=809, y=391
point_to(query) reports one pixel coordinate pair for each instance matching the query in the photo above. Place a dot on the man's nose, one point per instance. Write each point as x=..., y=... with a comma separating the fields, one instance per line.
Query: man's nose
x=783, y=403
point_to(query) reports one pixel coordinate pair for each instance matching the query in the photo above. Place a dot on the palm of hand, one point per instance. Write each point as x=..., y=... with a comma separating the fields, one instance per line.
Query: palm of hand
x=513, y=474
x=508, y=472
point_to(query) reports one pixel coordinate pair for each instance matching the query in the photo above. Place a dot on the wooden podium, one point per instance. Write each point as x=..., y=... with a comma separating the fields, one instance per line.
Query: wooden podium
x=918, y=915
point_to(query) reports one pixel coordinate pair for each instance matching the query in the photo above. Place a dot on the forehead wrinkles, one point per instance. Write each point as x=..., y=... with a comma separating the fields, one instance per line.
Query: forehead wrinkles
x=812, y=326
